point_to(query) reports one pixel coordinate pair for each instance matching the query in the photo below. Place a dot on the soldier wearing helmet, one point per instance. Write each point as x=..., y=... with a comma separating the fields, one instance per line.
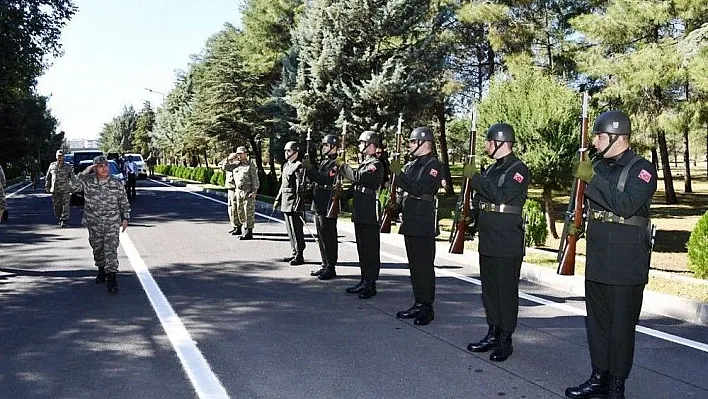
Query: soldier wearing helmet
x=324, y=177
x=290, y=200
x=246, y=182
x=58, y=183
x=500, y=194
x=620, y=187
x=418, y=182
x=366, y=180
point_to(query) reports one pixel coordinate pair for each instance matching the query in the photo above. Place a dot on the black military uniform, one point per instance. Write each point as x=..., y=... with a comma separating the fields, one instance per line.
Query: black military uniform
x=325, y=177
x=292, y=204
x=419, y=184
x=617, y=265
x=500, y=196
x=366, y=181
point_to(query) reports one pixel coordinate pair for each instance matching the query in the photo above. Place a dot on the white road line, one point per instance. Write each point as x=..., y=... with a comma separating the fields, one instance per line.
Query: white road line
x=561, y=306
x=205, y=382
x=18, y=191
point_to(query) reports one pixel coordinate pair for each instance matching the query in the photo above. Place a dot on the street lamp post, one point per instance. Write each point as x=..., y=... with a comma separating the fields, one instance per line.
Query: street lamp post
x=157, y=92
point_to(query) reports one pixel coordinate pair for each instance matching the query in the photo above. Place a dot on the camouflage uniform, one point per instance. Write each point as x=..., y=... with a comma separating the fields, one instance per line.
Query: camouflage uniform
x=227, y=166
x=58, y=181
x=3, y=202
x=245, y=177
x=105, y=209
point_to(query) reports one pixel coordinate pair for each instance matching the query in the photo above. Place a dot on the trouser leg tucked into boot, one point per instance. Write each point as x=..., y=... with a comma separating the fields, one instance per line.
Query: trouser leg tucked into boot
x=489, y=342
x=112, y=283
x=596, y=386
x=101, y=276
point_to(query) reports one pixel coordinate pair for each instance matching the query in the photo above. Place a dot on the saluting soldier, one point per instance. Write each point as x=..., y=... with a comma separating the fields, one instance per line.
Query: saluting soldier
x=620, y=187
x=366, y=181
x=58, y=183
x=419, y=182
x=246, y=181
x=228, y=165
x=324, y=176
x=500, y=193
x=290, y=198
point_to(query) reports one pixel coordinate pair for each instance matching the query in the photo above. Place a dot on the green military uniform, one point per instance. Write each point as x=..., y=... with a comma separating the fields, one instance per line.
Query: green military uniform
x=246, y=182
x=292, y=205
x=3, y=201
x=227, y=166
x=58, y=184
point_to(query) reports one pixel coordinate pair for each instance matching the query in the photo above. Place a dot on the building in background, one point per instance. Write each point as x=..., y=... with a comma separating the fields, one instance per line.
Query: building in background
x=82, y=144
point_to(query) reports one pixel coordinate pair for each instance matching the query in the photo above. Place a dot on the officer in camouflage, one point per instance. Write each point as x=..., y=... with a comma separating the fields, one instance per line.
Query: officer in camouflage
x=620, y=187
x=366, y=180
x=3, y=201
x=58, y=183
x=246, y=182
x=500, y=194
x=324, y=176
x=290, y=198
x=418, y=183
x=228, y=165
x=105, y=211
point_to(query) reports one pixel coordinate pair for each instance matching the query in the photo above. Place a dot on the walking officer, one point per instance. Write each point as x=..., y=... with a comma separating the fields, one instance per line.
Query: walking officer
x=228, y=165
x=290, y=198
x=419, y=182
x=324, y=176
x=58, y=183
x=620, y=187
x=500, y=194
x=365, y=182
x=246, y=182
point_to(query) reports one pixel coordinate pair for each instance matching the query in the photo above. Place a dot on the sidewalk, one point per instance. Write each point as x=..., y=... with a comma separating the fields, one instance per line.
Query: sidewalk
x=654, y=302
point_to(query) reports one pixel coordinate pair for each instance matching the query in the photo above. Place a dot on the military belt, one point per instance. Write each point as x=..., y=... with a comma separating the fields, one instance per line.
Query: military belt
x=500, y=208
x=365, y=190
x=609, y=217
x=325, y=187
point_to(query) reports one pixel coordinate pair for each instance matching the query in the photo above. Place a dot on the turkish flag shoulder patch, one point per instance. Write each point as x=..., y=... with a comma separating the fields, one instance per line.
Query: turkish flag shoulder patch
x=518, y=177
x=433, y=172
x=644, y=175
x=372, y=167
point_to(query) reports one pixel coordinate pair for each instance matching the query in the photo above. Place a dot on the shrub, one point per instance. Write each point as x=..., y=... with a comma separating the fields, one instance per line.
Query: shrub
x=698, y=248
x=536, y=226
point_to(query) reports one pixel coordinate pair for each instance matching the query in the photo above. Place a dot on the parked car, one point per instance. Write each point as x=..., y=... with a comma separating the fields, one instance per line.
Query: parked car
x=77, y=199
x=84, y=155
x=140, y=163
x=69, y=158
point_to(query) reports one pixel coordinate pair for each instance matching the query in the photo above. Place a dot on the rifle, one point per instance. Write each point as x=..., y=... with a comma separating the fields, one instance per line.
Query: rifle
x=387, y=216
x=464, y=217
x=575, y=214
x=304, y=188
x=335, y=205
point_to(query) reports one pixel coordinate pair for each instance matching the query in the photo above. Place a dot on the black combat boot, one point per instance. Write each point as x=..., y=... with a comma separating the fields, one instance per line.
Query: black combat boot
x=248, y=234
x=358, y=288
x=237, y=231
x=504, y=349
x=489, y=342
x=319, y=271
x=288, y=258
x=112, y=283
x=328, y=274
x=410, y=313
x=596, y=386
x=5, y=215
x=101, y=276
x=616, y=390
x=232, y=230
x=368, y=291
x=425, y=316
x=297, y=260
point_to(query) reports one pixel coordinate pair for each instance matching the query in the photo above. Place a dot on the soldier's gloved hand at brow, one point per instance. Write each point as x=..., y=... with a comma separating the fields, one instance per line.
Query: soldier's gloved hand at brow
x=583, y=171
x=396, y=166
x=470, y=170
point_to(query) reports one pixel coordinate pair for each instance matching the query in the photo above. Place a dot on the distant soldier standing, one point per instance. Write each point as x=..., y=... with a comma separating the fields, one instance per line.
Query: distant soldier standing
x=501, y=193
x=105, y=211
x=620, y=187
x=3, y=201
x=247, y=184
x=419, y=182
x=57, y=183
x=324, y=176
x=290, y=198
x=228, y=165
x=366, y=181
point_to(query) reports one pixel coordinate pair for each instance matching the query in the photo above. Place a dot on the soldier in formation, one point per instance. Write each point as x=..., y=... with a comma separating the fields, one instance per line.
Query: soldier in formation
x=58, y=183
x=228, y=165
x=290, y=199
x=246, y=183
x=500, y=196
x=419, y=182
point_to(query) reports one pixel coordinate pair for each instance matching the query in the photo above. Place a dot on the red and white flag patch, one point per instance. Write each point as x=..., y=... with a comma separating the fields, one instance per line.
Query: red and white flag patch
x=433, y=173
x=372, y=167
x=518, y=177
x=644, y=175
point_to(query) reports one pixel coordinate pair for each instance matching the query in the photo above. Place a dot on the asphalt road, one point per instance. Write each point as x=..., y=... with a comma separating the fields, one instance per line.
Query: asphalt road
x=202, y=314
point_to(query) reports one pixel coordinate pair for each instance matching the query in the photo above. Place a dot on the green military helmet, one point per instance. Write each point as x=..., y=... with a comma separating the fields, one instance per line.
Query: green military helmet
x=330, y=139
x=292, y=146
x=369, y=137
x=612, y=122
x=501, y=132
x=100, y=160
x=421, y=133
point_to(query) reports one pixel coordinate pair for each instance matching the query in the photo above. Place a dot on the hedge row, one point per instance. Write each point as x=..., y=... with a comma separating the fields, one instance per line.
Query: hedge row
x=199, y=173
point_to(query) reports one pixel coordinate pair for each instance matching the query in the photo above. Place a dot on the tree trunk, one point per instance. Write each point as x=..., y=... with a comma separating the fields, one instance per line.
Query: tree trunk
x=206, y=158
x=655, y=158
x=550, y=212
x=256, y=151
x=668, y=179
x=686, y=163
x=447, y=176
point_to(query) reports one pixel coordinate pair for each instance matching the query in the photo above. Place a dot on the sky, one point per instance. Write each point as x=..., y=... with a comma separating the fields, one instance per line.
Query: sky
x=115, y=49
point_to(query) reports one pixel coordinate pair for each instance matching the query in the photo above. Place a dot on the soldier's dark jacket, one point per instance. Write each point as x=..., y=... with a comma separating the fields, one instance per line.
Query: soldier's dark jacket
x=420, y=182
x=502, y=234
x=324, y=177
x=366, y=180
x=291, y=187
x=618, y=254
